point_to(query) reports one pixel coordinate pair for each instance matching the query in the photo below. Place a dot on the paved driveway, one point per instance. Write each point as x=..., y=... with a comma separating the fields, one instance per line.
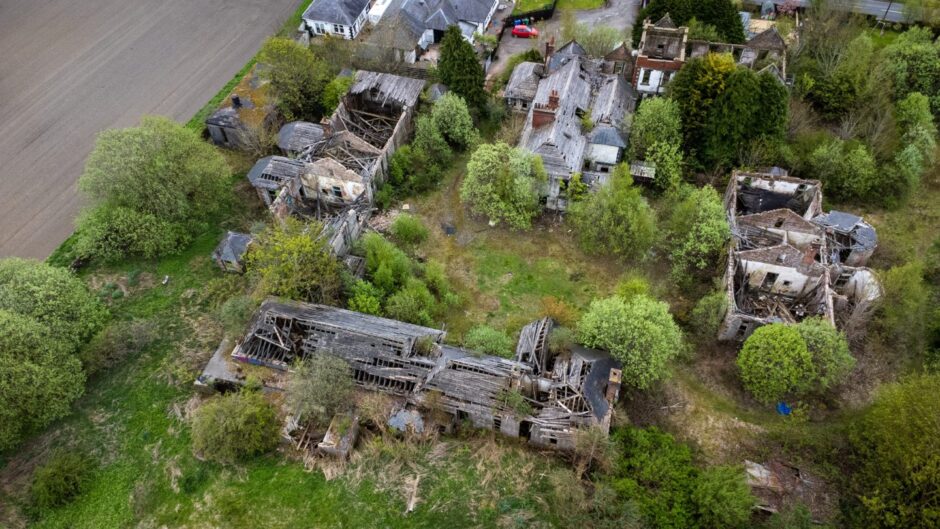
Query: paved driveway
x=71, y=68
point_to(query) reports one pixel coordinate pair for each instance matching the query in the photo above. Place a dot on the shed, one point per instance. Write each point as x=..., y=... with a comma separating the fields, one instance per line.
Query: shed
x=230, y=252
x=295, y=136
x=271, y=173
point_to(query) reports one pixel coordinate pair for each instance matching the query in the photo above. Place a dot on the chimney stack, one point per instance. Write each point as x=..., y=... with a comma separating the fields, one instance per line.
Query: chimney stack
x=553, y=100
x=549, y=49
x=236, y=101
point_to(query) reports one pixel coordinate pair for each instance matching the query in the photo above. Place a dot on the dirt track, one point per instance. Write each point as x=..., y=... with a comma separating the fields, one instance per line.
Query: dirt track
x=69, y=69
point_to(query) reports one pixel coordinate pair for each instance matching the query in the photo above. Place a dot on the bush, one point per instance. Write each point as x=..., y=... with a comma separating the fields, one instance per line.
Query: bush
x=150, y=189
x=616, y=219
x=902, y=316
x=452, y=118
x=656, y=120
x=633, y=286
x=559, y=310
x=293, y=261
x=723, y=499
x=707, y=316
x=490, y=341
x=829, y=350
x=561, y=340
x=235, y=313
x=60, y=479
x=413, y=304
x=640, y=333
x=502, y=184
x=116, y=342
x=896, y=456
x=409, y=230
x=847, y=169
x=334, y=91
x=298, y=78
x=234, y=427
x=365, y=298
x=775, y=362
x=697, y=232
x=320, y=387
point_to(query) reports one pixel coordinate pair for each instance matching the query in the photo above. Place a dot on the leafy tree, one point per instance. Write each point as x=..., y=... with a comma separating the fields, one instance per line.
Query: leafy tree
x=616, y=219
x=902, y=315
x=366, y=298
x=39, y=376
x=722, y=15
x=829, y=350
x=408, y=230
x=896, y=456
x=60, y=479
x=774, y=362
x=639, y=332
x=234, y=427
x=460, y=69
x=708, y=314
x=697, y=232
x=293, y=260
x=847, y=169
x=795, y=518
x=502, y=184
x=700, y=31
x=656, y=120
x=913, y=63
x=490, y=341
x=150, y=190
x=598, y=41
x=667, y=158
x=452, y=118
x=695, y=88
x=386, y=264
x=320, y=387
x=722, y=497
x=52, y=297
x=334, y=91
x=298, y=78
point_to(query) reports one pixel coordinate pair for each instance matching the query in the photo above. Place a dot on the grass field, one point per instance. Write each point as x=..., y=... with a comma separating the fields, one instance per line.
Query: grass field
x=527, y=6
x=579, y=4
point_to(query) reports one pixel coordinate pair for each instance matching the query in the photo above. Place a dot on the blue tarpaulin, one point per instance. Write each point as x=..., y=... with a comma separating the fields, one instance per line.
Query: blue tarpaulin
x=783, y=409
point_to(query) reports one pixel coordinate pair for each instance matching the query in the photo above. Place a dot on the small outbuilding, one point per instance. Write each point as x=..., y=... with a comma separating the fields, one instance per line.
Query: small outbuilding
x=230, y=252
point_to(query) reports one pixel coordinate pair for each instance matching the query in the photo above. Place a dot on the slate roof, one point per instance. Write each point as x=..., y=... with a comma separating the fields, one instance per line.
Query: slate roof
x=297, y=135
x=607, y=135
x=782, y=219
x=524, y=81
x=233, y=247
x=665, y=22
x=615, y=98
x=561, y=143
x=564, y=54
x=769, y=39
x=336, y=11
x=272, y=172
x=862, y=233
x=783, y=255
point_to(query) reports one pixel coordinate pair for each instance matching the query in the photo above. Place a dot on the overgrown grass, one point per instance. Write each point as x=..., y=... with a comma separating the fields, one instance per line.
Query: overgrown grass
x=527, y=6
x=579, y=4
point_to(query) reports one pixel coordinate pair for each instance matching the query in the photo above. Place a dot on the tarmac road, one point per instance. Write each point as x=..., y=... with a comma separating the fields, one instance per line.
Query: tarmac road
x=71, y=68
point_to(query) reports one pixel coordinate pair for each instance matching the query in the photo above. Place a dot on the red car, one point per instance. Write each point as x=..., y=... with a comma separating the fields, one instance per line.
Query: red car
x=525, y=32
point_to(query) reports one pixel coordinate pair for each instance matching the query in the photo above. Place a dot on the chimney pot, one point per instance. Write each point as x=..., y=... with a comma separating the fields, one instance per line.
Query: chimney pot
x=236, y=101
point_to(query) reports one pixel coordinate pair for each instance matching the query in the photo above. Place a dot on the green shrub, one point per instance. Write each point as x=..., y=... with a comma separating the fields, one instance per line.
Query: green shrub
x=409, y=230
x=116, y=342
x=235, y=313
x=633, y=286
x=235, y=426
x=561, y=340
x=413, y=303
x=707, y=316
x=365, y=298
x=829, y=350
x=490, y=341
x=320, y=387
x=722, y=498
x=60, y=480
x=775, y=362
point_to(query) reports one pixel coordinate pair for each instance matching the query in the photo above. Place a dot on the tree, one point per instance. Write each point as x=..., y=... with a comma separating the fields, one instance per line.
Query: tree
x=615, y=219
x=460, y=69
x=597, y=41
x=502, y=184
x=775, y=362
x=293, y=260
x=700, y=31
x=334, y=91
x=490, y=341
x=39, y=376
x=722, y=497
x=639, y=332
x=902, y=315
x=722, y=15
x=667, y=159
x=298, y=78
x=657, y=120
x=846, y=168
x=413, y=303
x=320, y=387
x=708, y=314
x=896, y=456
x=366, y=298
x=697, y=232
x=913, y=64
x=234, y=427
x=452, y=118
x=829, y=350
x=52, y=297
x=150, y=189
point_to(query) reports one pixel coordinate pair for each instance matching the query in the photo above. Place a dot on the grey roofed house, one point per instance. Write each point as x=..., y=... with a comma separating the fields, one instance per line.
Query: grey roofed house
x=559, y=141
x=851, y=240
x=271, y=173
x=607, y=135
x=344, y=12
x=297, y=135
x=524, y=81
x=563, y=55
x=228, y=254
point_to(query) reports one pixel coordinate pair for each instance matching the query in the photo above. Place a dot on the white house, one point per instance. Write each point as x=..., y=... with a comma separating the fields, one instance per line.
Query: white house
x=343, y=18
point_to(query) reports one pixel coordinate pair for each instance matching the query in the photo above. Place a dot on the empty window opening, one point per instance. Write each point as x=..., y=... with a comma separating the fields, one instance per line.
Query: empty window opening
x=769, y=280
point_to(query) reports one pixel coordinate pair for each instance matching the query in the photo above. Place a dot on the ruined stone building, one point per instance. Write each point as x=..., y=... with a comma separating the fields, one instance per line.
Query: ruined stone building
x=339, y=162
x=574, y=117
x=789, y=261
x=539, y=395
x=665, y=48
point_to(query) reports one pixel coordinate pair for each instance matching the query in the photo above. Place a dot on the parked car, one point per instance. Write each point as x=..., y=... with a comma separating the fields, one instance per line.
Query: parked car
x=525, y=32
